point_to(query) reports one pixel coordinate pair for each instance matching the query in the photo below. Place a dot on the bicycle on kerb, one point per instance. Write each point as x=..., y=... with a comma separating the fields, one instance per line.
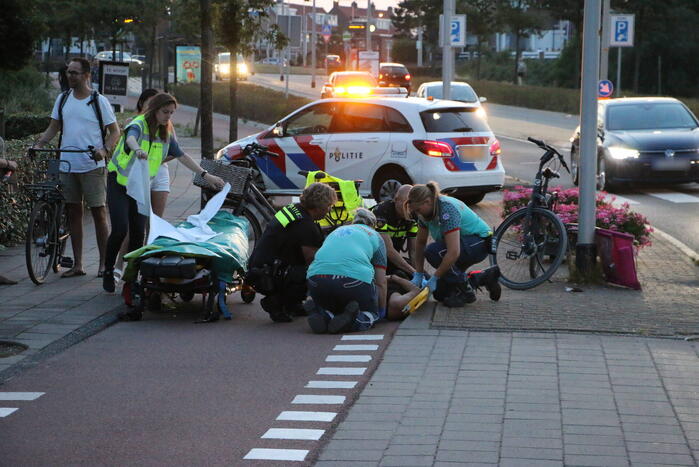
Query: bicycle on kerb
x=531, y=243
x=48, y=228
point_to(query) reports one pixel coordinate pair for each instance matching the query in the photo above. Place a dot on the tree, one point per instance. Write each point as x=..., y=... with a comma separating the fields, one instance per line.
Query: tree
x=18, y=32
x=482, y=21
x=412, y=14
x=240, y=25
x=523, y=18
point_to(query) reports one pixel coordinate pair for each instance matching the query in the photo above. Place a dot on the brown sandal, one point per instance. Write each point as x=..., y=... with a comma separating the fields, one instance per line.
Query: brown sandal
x=73, y=273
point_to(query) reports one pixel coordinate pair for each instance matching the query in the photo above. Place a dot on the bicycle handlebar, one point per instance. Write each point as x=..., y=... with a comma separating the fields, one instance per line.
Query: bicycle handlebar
x=550, y=152
x=90, y=150
x=258, y=149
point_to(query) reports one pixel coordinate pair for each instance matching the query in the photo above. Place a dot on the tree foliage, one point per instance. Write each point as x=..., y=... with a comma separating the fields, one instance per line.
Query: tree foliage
x=18, y=32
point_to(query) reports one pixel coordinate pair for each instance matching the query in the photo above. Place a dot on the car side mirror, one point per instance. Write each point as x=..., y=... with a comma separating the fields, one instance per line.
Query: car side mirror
x=278, y=130
x=483, y=99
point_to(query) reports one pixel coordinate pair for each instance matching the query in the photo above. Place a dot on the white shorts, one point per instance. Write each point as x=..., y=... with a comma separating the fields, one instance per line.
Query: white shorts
x=161, y=181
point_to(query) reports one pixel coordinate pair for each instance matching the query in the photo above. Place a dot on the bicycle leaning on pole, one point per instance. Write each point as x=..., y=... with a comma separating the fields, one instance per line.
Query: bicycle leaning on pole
x=530, y=244
x=48, y=229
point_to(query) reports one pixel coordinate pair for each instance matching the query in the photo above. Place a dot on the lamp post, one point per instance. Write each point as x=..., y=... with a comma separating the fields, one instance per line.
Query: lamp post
x=368, y=22
x=313, y=47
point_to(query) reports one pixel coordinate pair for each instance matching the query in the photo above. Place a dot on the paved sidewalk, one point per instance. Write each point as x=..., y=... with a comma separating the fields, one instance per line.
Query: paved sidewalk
x=448, y=398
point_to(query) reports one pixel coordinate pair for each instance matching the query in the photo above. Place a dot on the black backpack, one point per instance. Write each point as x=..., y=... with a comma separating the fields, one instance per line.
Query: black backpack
x=94, y=102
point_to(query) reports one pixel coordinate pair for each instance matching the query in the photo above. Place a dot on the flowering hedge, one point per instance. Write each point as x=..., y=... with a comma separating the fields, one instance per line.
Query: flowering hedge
x=611, y=217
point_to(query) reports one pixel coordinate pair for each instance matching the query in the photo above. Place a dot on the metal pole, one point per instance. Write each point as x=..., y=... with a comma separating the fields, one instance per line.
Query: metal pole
x=447, y=53
x=368, y=21
x=313, y=47
x=419, y=47
x=660, y=75
x=585, y=249
x=618, y=72
x=604, y=52
x=288, y=51
x=303, y=35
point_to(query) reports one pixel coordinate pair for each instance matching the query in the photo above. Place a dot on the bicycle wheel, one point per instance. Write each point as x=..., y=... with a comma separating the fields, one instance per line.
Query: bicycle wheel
x=529, y=250
x=255, y=230
x=63, y=233
x=40, y=246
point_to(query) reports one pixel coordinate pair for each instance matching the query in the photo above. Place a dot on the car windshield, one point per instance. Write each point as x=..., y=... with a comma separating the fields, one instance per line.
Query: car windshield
x=226, y=58
x=119, y=55
x=649, y=116
x=453, y=120
x=359, y=79
x=394, y=70
x=458, y=93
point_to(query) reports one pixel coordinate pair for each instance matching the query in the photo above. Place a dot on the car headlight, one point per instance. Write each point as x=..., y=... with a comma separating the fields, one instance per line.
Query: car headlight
x=620, y=153
x=242, y=68
x=225, y=68
x=480, y=111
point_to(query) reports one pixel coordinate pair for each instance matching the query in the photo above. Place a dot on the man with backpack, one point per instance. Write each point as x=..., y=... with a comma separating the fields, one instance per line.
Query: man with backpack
x=84, y=118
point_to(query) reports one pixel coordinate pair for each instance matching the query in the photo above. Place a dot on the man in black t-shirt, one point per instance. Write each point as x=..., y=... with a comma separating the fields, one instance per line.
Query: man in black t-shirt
x=397, y=231
x=277, y=266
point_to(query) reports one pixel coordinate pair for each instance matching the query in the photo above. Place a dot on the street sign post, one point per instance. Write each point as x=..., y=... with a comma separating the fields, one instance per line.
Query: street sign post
x=346, y=36
x=114, y=82
x=326, y=32
x=605, y=89
x=622, y=30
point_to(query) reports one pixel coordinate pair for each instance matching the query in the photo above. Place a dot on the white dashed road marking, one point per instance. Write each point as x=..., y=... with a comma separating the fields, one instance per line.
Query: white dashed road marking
x=352, y=348
x=294, y=455
x=331, y=384
x=299, y=416
x=341, y=371
x=363, y=337
x=675, y=197
x=20, y=396
x=317, y=399
x=348, y=358
x=5, y=411
x=293, y=433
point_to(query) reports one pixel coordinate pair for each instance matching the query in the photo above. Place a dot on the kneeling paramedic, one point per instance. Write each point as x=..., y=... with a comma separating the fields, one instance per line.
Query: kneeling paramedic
x=277, y=267
x=347, y=279
x=398, y=232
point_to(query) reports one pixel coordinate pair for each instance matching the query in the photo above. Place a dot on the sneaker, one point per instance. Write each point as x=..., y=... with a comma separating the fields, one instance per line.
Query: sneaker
x=461, y=295
x=117, y=275
x=276, y=312
x=318, y=321
x=344, y=321
x=108, y=283
x=487, y=278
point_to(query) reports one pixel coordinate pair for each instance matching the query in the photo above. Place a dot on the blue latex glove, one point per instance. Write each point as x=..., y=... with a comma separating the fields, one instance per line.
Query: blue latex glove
x=418, y=278
x=432, y=284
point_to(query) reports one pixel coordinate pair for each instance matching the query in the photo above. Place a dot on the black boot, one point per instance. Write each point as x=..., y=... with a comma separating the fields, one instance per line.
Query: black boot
x=343, y=322
x=488, y=278
x=275, y=309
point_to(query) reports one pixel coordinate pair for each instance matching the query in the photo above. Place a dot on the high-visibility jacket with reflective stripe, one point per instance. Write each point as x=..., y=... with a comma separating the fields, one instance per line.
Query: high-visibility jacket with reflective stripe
x=288, y=214
x=122, y=161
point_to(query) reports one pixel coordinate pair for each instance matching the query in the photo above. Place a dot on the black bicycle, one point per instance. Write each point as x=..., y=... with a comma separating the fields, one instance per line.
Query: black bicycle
x=48, y=228
x=531, y=243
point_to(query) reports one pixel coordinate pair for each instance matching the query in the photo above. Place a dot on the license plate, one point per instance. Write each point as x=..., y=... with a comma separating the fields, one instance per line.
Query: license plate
x=472, y=153
x=671, y=164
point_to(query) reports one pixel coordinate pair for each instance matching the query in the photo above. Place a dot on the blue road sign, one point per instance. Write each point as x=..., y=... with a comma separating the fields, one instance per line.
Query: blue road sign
x=327, y=30
x=605, y=88
x=455, y=31
x=621, y=31
x=622, y=27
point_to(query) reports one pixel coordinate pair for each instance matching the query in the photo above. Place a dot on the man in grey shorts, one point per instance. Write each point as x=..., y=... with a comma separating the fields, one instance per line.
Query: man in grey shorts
x=77, y=116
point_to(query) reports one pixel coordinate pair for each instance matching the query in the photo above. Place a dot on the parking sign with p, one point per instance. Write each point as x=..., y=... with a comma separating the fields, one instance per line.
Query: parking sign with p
x=621, y=30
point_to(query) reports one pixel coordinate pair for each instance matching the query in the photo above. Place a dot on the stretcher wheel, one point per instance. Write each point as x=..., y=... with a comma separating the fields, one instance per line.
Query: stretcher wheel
x=247, y=294
x=186, y=296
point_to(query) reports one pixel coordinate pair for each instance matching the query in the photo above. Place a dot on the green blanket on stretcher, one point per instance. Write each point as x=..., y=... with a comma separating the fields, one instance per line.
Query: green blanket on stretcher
x=229, y=249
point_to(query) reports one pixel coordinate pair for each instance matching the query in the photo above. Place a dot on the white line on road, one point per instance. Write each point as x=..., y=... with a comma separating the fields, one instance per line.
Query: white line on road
x=299, y=416
x=296, y=455
x=619, y=200
x=331, y=384
x=363, y=337
x=341, y=371
x=675, y=197
x=318, y=399
x=5, y=411
x=348, y=358
x=20, y=396
x=369, y=347
x=293, y=433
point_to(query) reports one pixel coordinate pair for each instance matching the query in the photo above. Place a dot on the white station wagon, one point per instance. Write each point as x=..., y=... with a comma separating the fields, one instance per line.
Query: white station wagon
x=384, y=141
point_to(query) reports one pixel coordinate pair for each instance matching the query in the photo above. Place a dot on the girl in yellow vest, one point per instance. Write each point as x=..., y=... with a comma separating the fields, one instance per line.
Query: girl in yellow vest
x=148, y=137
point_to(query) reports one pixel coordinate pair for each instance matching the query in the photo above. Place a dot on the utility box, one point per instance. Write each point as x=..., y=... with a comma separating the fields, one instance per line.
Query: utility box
x=615, y=250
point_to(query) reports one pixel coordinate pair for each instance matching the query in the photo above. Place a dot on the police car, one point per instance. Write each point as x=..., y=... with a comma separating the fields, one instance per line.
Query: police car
x=386, y=142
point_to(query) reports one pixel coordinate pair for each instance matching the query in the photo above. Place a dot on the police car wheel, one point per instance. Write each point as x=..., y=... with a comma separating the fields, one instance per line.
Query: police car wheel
x=386, y=183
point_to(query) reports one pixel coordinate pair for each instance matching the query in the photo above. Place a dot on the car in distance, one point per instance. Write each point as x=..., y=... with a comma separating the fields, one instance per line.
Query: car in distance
x=348, y=83
x=394, y=75
x=106, y=56
x=460, y=91
x=642, y=140
x=222, y=67
x=333, y=63
x=386, y=141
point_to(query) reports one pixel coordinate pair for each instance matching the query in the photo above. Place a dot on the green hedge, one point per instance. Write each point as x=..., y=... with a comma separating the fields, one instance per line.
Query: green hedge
x=23, y=125
x=256, y=103
x=14, y=199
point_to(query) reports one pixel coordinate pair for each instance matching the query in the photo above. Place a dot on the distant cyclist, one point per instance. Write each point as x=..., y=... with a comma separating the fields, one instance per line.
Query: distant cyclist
x=84, y=118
